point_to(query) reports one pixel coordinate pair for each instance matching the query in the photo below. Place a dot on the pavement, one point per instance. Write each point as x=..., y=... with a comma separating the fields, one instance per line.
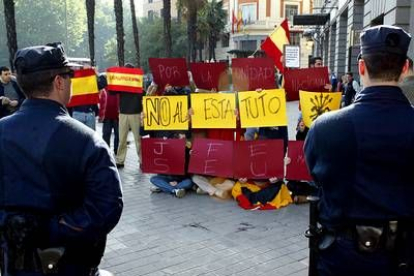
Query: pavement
x=159, y=234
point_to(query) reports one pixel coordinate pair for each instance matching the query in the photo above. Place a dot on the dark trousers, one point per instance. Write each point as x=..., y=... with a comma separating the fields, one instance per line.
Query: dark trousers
x=108, y=125
x=342, y=258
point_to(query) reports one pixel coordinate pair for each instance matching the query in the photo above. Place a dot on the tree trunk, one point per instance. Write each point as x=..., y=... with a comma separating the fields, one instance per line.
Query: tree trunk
x=135, y=34
x=167, y=27
x=90, y=13
x=11, y=29
x=192, y=32
x=120, y=40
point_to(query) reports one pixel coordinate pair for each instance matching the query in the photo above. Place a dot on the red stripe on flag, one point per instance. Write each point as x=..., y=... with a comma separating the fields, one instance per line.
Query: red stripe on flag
x=125, y=70
x=121, y=88
x=285, y=26
x=273, y=52
x=84, y=73
x=84, y=100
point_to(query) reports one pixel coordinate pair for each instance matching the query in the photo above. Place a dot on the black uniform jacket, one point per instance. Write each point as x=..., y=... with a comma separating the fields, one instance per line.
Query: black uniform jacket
x=362, y=156
x=54, y=166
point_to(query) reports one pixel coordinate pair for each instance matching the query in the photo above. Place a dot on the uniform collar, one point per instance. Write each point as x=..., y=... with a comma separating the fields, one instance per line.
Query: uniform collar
x=44, y=104
x=380, y=93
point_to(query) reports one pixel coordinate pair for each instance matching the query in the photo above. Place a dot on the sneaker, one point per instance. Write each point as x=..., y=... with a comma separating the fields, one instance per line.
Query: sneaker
x=179, y=193
x=155, y=189
x=200, y=191
x=300, y=199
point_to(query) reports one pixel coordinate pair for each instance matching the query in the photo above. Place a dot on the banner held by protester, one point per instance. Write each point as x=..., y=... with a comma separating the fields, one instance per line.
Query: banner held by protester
x=163, y=156
x=165, y=113
x=266, y=108
x=84, y=88
x=213, y=110
x=314, y=104
x=122, y=79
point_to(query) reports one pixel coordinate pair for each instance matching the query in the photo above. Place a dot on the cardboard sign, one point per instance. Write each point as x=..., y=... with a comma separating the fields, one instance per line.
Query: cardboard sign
x=314, y=104
x=163, y=156
x=262, y=109
x=209, y=75
x=253, y=73
x=297, y=169
x=124, y=79
x=165, y=113
x=212, y=157
x=213, y=110
x=171, y=71
x=292, y=56
x=309, y=79
x=260, y=159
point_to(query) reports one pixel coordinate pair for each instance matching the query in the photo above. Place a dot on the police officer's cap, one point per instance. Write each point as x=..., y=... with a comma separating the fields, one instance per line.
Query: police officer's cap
x=39, y=58
x=384, y=39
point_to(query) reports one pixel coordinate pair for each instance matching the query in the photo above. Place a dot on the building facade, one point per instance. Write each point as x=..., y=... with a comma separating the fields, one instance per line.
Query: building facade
x=338, y=40
x=154, y=8
x=259, y=19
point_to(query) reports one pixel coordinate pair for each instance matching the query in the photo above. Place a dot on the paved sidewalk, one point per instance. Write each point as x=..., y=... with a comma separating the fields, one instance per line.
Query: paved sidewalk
x=198, y=235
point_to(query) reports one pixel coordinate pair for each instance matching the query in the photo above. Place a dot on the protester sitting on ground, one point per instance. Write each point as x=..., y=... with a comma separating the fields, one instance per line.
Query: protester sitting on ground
x=173, y=184
x=263, y=194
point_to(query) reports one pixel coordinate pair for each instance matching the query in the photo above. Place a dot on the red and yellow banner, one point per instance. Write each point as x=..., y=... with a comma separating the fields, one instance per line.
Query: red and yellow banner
x=273, y=45
x=84, y=88
x=122, y=79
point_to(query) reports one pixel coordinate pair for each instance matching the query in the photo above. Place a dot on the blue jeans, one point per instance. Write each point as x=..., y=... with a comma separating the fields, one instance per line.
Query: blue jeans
x=163, y=182
x=87, y=119
x=107, y=127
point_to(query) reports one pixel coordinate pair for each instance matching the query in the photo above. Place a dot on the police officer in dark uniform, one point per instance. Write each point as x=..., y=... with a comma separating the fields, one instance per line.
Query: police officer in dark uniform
x=362, y=157
x=60, y=192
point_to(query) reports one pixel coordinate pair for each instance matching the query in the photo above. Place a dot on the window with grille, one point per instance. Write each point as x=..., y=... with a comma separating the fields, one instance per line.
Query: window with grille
x=295, y=38
x=249, y=13
x=290, y=11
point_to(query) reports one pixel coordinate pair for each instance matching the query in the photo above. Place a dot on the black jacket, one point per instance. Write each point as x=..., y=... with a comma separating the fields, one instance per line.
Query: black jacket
x=53, y=165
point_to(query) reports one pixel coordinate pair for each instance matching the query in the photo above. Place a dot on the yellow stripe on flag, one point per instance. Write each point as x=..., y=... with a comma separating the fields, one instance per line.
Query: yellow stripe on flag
x=314, y=104
x=124, y=79
x=280, y=38
x=84, y=85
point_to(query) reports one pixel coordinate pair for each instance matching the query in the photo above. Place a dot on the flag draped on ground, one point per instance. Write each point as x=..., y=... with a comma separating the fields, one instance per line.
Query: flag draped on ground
x=273, y=45
x=84, y=88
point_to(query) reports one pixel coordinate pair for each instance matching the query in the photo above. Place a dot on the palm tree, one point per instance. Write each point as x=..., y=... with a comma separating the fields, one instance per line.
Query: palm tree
x=120, y=40
x=189, y=10
x=167, y=27
x=214, y=16
x=90, y=13
x=11, y=29
x=135, y=33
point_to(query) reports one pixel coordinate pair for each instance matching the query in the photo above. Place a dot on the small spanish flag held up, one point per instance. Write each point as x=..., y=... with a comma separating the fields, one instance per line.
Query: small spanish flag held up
x=273, y=45
x=124, y=79
x=314, y=104
x=84, y=88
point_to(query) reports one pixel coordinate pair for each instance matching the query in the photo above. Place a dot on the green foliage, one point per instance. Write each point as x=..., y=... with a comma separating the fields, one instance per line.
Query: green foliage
x=151, y=40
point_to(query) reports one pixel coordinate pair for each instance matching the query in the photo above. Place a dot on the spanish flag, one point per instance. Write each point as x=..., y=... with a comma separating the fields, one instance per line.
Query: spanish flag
x=273, y=45
x=314, y=104
x=84, y=88
x=124, y=79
